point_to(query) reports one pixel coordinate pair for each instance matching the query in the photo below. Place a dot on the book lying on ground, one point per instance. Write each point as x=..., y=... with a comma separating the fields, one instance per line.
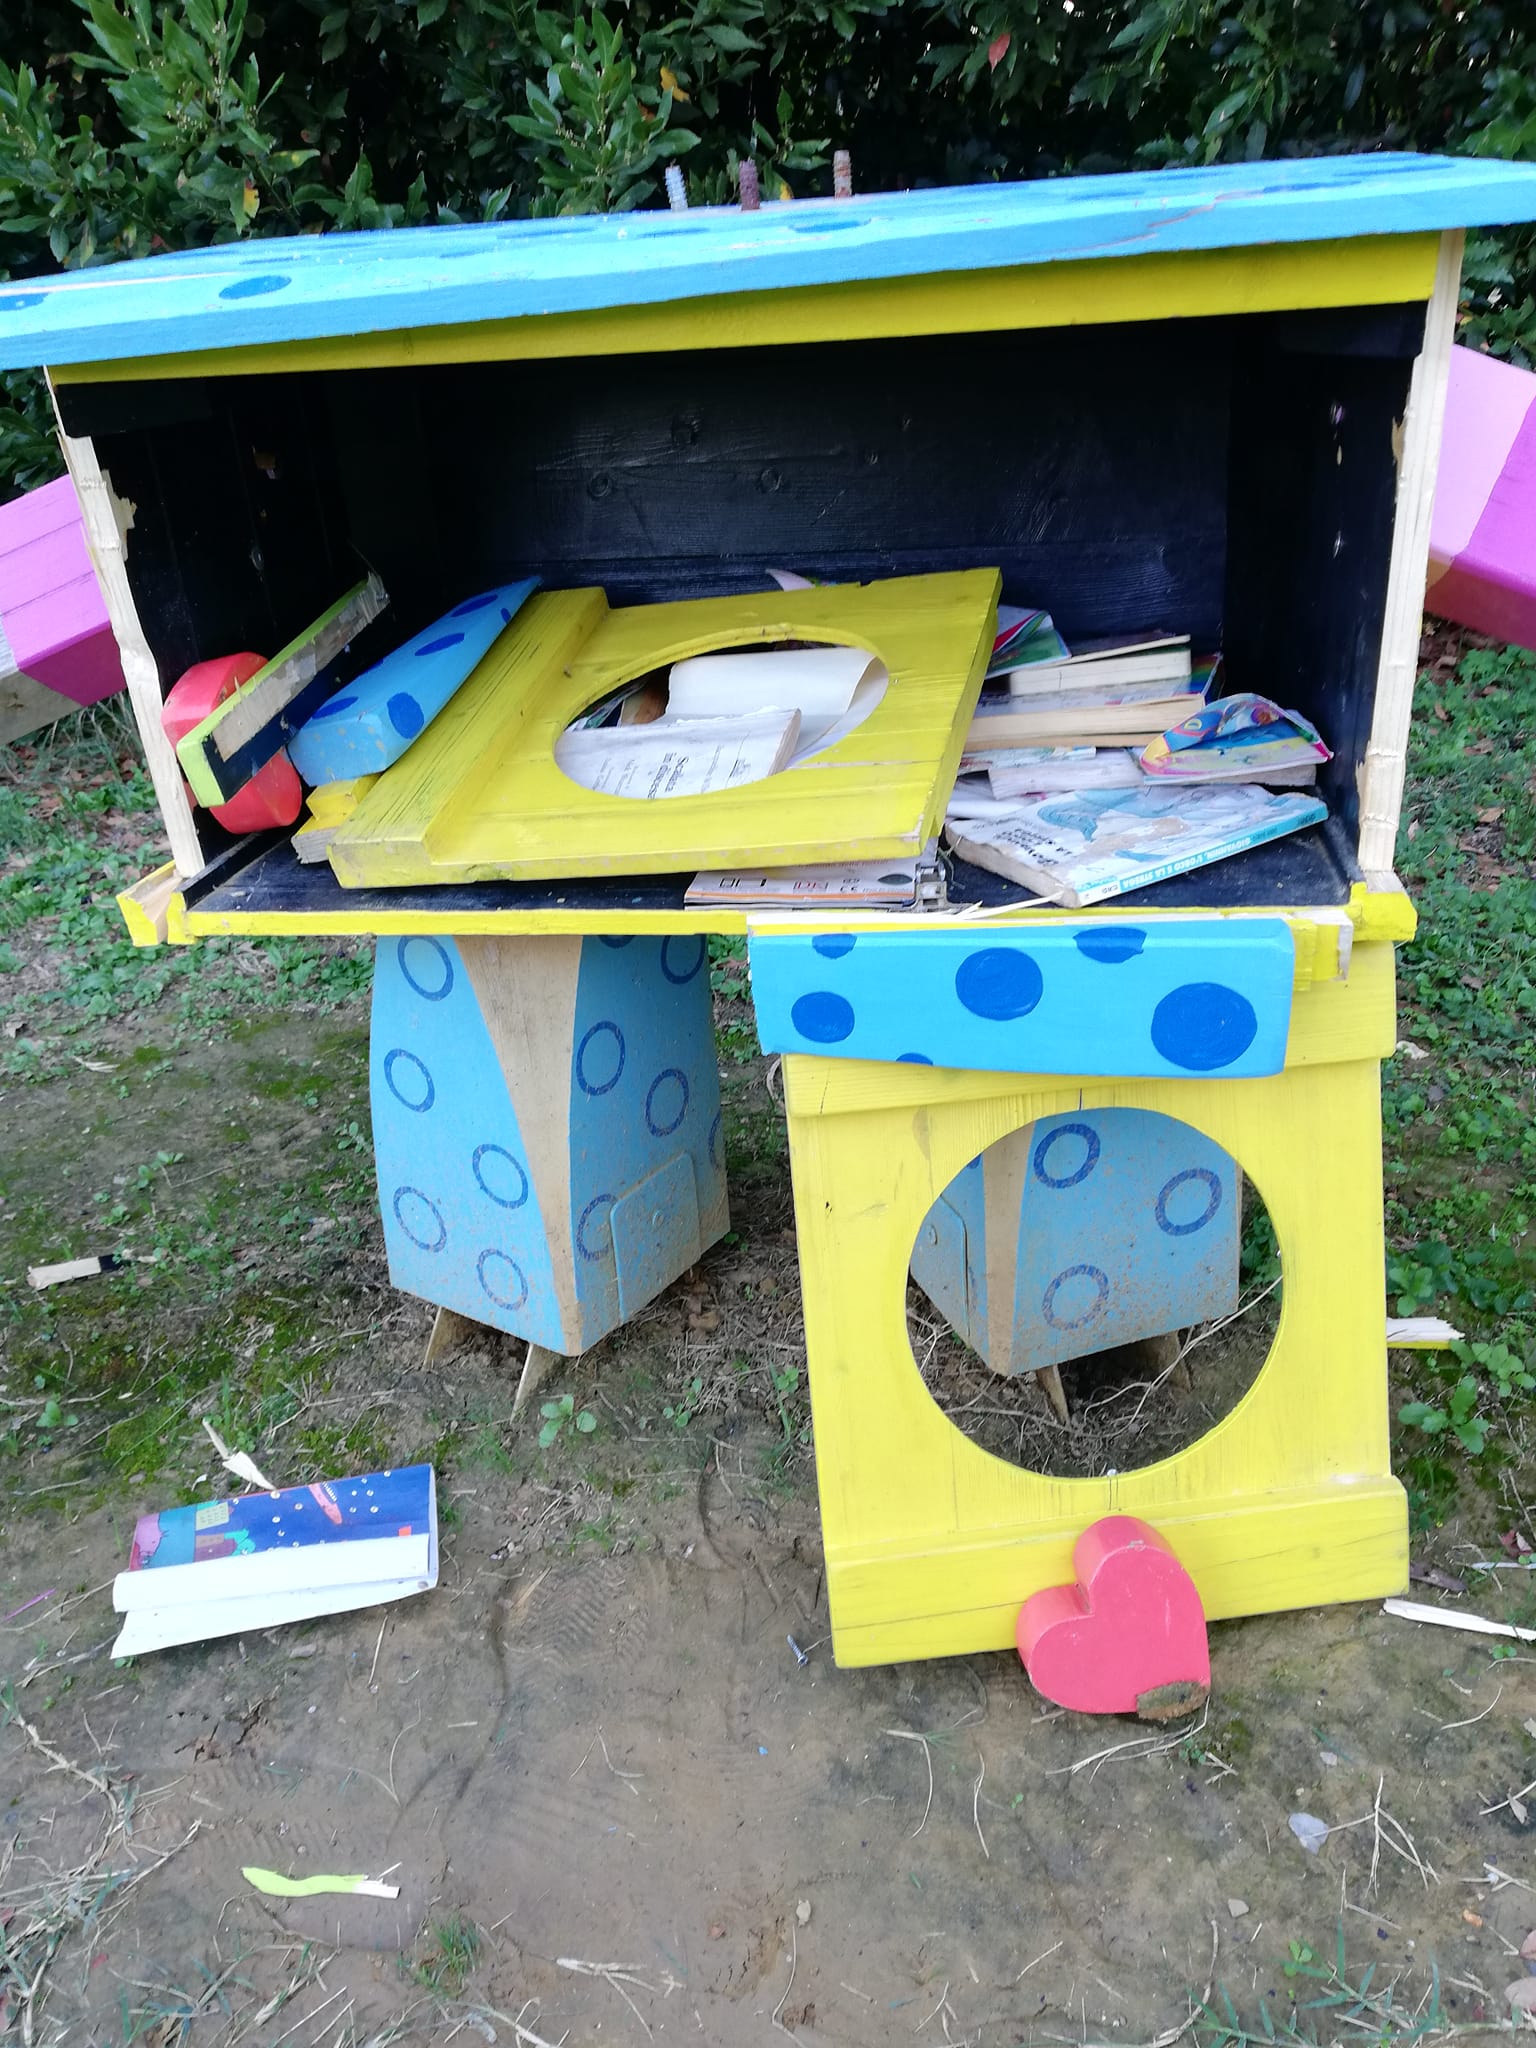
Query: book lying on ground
x=678, y=757
x=1106, y=665
x=1243, y=735
x=1089, y=845
x=869, y=885
x=1024, y=636
x=260, y=1559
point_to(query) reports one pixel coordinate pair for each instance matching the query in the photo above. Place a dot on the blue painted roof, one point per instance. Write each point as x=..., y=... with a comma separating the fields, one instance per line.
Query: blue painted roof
x=304, y=287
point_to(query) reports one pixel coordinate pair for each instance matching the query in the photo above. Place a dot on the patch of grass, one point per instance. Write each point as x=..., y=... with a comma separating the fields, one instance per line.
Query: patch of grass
x=452, y=1949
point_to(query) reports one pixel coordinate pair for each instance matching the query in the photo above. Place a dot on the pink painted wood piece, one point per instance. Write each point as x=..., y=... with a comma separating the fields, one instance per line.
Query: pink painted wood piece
x=1128, y=1637
x=1482, y=549
x=53, y=622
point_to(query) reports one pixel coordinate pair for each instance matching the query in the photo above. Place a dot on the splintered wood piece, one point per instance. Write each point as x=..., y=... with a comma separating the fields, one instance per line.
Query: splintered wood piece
x=449, y=1331
x=536, y=1369
x=1048, y=1379
x=1128, y=1637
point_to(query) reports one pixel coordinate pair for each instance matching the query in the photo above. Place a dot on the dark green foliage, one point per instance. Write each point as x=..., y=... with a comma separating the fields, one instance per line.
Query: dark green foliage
x=128, y=126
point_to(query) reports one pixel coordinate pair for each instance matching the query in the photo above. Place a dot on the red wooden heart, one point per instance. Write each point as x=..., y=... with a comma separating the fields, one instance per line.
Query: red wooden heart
x=1128, y=1637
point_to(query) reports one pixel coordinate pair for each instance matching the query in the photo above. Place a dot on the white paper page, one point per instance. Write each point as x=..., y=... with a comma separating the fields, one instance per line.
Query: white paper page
x=819, y=682
x=682, y=757
x=817, y=734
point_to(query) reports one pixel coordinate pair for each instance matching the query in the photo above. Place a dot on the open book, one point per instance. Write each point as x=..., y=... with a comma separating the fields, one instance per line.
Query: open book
x=833, y=689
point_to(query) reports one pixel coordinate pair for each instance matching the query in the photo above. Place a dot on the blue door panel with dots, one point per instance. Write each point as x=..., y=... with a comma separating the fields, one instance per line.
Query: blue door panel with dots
x=463, y=1225
x=1128, y=1226
x=1168, y=997
x=645, y=1096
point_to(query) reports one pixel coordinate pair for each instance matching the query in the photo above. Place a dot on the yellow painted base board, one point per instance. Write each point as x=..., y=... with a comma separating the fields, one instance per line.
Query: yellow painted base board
x=1330, y=1543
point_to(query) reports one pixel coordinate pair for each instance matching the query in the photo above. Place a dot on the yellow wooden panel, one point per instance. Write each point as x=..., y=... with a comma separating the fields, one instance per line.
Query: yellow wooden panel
x=1374, y=270
x=479, y=797
x=923, y=1528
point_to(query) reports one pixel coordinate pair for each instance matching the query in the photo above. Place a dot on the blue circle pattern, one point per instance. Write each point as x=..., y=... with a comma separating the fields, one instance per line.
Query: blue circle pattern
x=1111, y=943
x=439, y=954
x=426, y=1244
x=913, y=1059
x=1090, y=1159
x=520, y=1280
x=716, y=1153
x=667, y=1074
x=998, y=983
x=440, y=645
x=607, y=939
x=1092, y=1313
x=473, y=604
x=833, y=945
x=405, y=714
x=588, y=1086
x=477, y=1168
x=1203, y=1026
x=605, y=1203
x=332, y=710
x=1190, y=1174
x=394, y=1059
x=822, y=1017
x=688, y=972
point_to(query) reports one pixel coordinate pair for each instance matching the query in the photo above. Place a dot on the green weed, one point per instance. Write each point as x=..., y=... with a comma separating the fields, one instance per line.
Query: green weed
x=560, y=1415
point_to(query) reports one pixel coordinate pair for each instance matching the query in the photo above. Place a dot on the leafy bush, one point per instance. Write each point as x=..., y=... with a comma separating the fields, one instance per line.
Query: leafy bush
x=180, y=124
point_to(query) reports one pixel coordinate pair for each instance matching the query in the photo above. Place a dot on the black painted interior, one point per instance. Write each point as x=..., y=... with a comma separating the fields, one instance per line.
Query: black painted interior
x=1228, y=477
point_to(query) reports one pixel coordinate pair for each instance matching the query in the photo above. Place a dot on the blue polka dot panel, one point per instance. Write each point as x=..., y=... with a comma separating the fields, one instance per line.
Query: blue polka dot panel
x=1165, y=998
x=369, y=723
x=546, y=1126
x=1080, y=1232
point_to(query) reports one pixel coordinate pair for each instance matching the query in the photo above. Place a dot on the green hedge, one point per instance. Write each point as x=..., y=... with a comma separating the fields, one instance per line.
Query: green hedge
x=126, y=128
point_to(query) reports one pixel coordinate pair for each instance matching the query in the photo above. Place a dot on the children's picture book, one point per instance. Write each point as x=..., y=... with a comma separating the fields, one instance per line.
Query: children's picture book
x=1243, y=735
x=678, y=756
x=1088, y=845
x=260, y=1559
x=1024, y=636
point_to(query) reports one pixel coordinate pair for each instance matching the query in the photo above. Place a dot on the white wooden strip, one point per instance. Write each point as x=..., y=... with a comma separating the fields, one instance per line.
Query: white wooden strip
x=1468, y=1624
x=107, y=520
x=1381, y=774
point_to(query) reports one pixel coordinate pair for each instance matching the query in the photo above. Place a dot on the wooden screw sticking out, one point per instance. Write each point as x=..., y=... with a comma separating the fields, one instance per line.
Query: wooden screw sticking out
x=842, y=174
x=677, y=191
x=746, y=180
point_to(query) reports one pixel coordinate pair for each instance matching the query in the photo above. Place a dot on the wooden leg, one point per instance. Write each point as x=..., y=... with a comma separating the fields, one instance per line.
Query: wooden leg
x=536, y=1369
x=1048, y=1378
x=449, y=1331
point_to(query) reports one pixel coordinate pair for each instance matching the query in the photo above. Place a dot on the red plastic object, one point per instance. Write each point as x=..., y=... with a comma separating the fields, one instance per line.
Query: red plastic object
x=274, y=795
x=1128, y=1638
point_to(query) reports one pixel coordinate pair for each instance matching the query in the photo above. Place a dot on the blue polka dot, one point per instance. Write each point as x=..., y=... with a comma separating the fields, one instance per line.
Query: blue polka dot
x=413, y=1080
x=441, y=645
x=597, y=1042
x=1192, y=1176
x=432, y=973
x=833, y=945
x=822, y=1017
x=913, y=1059
x=18, y=302
x=254, y=287
x=998, y=983
x=405, y=715
x=1086, y=1289
x=1203, y=1025
x=502, y=1279
x=420, y=1218
x=716, y=1154
x=497, y=1171
x=607, y=939
x=1083, y=1134
x=334, y=709
x=474, y=604
x=669, y=966
x=1111, y=943
x=603, y=1202
x=659, y=1124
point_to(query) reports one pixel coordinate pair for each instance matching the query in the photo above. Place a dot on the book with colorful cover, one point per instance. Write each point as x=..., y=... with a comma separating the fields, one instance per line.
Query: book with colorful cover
x=1024, y=636
x=1088, y=845
x=256, y=1560
x=1243, y=735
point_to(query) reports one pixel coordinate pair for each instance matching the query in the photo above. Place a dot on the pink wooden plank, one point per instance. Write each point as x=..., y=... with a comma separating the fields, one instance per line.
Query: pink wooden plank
x=53, y=621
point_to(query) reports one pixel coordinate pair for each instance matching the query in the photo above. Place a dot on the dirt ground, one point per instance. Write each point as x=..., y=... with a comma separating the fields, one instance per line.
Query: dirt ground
x=618, y=1805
